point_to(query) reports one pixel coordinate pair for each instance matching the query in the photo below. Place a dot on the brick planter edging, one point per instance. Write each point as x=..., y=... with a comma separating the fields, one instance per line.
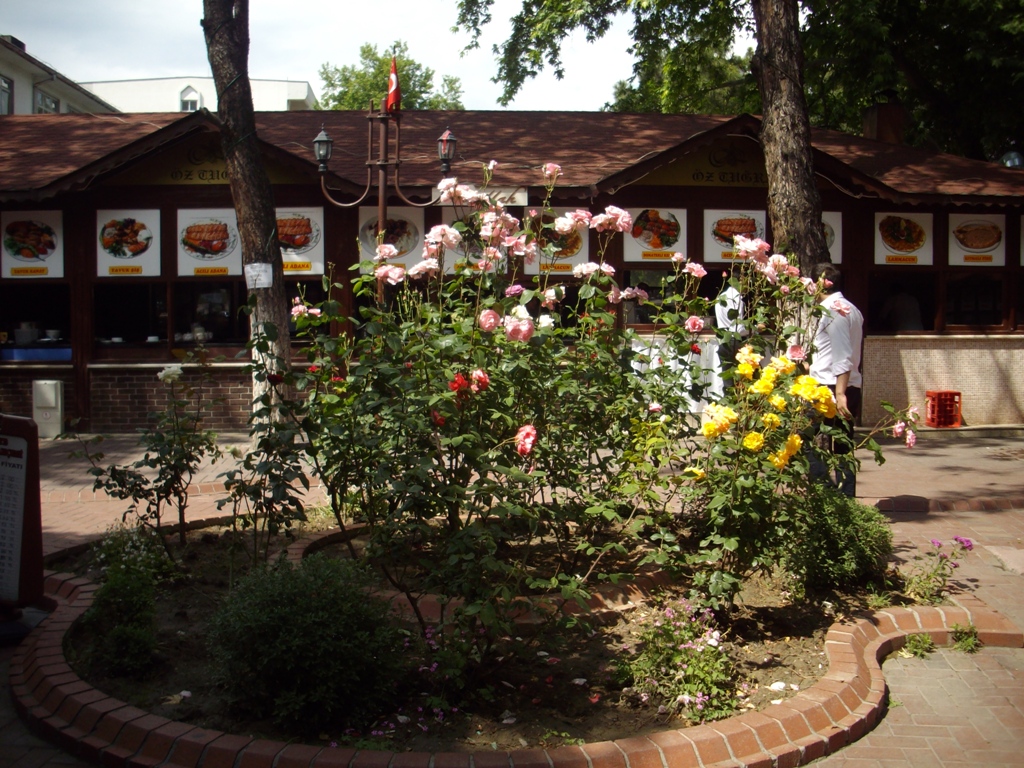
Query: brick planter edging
x=846, y=703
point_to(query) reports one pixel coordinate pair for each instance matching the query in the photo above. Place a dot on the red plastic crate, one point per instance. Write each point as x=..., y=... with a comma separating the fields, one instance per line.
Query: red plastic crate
x=942, y=409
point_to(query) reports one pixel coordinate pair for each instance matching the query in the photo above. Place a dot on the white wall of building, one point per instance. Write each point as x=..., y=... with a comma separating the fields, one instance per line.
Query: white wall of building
x=28, y=74
x=165, y=94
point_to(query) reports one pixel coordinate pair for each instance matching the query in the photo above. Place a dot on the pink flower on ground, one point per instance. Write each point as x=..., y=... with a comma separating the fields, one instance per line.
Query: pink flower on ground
x=480, y=380
x=911, y=439
x=525, y=438
x=694, y=324
x=695, y=269
x=796, y=353
x=489, y=320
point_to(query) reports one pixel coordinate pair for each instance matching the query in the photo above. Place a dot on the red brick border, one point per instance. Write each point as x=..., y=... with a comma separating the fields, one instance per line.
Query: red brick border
x=846, y=703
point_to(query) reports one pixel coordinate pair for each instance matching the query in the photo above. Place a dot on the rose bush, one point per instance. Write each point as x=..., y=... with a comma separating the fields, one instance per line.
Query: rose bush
x=477, y=412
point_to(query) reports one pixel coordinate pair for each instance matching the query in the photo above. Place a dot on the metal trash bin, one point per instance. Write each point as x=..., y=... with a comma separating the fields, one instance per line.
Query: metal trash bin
x=48, y=406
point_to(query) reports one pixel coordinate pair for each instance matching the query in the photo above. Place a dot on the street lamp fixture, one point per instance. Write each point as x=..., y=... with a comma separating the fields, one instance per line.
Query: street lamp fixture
x=446, y=150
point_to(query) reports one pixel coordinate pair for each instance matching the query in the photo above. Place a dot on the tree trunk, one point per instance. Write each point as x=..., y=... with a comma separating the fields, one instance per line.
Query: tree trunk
x=794, y=205
x=226, y=28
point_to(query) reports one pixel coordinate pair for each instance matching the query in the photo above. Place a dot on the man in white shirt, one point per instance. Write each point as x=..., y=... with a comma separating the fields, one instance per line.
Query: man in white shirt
x=835, y=362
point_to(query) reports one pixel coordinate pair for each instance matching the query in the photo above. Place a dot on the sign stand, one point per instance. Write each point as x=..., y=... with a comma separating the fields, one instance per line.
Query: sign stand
x=21, y=528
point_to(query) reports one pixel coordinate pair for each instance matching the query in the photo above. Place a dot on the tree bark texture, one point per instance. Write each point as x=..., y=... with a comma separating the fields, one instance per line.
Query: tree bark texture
x=226, y=28
x=794, y=204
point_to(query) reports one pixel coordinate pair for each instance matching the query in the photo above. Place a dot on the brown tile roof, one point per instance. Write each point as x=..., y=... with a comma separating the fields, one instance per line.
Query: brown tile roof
x=41, y=155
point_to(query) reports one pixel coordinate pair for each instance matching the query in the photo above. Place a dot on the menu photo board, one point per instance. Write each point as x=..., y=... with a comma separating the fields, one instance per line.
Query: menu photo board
x=33, y=244
x=403, y=229
x=977, y=239
x=208, y=243
x=570, y=250
x=300, y=235
x=904, y=238
x=657, y=233
x=128, y=243
x=721, y=226
x=832, y=223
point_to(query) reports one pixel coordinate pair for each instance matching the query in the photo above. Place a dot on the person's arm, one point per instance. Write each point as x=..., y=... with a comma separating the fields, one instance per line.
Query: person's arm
x=842, y=361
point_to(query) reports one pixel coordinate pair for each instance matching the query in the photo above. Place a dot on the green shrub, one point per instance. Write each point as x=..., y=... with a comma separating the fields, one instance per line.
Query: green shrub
x=307, y=646
x=680, y=663
x=918, y=645
x=836, y=541
x=133, y=548
x=122, y=617
x=965, y=638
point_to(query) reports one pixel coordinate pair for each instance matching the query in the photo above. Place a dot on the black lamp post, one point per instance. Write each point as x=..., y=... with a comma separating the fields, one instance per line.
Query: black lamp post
x=322, y=148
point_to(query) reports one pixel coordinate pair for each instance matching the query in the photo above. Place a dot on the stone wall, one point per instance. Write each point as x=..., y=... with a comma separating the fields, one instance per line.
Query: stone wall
x=987, y=371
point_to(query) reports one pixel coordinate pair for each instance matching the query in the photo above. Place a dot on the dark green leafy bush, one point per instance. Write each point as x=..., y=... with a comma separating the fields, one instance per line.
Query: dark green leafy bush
x=836, y=541
x=307, y=646
x=123, y=613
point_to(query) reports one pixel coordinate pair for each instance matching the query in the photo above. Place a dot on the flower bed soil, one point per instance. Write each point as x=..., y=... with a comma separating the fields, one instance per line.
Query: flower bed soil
x=548, y=686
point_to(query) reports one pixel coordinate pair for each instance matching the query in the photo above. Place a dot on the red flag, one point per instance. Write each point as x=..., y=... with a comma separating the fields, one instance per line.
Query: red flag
x=394, y=102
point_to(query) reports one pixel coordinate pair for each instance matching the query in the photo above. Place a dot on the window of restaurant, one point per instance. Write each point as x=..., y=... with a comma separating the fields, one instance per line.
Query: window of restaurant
x=39, y=305
x=651, y=280
x=6, y=96
x=901, y=301
x=45, y=104
x=974, y=300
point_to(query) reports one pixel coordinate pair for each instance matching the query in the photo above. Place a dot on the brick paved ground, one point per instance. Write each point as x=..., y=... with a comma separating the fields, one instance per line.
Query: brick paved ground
x=950, y=710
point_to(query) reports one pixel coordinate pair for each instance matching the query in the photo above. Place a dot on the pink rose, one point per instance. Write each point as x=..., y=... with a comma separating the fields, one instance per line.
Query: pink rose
x=518, y=330
x=695, y=269
x=385, y=251
x=480, y=380
x=694, y=324
x=514, y=290
x=841, y=307
x=796, y=353
x=898, y=428
x=393, y=275
x=489, y=320
x=654, y=408
x=551, y=172
x=911, y=438
x=525, y=438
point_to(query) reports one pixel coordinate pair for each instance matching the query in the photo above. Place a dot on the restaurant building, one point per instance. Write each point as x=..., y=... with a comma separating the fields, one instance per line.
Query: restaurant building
x=120, y=243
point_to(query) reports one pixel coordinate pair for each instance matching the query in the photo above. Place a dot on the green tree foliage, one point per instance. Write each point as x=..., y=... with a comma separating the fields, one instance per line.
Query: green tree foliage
x=722, y=84
x=956, y=65
x=354, y=87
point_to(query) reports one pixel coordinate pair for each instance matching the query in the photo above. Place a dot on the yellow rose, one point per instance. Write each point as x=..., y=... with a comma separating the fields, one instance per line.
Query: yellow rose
x=783, y=365
x=771, y=421
x=695, y=473
x=778, y=402
x=747, y=355
x=793, y=444
x=779, y=459
x=746, y=370
x=753, y=441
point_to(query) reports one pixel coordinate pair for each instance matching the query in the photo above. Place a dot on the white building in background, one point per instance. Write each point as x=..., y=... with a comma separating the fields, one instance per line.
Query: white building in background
x=29, y=86
x=188, y=94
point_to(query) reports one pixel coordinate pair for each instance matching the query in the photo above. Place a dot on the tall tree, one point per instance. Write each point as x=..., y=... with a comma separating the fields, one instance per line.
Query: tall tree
x=957, y=66
x=226, y=28
x=354, y=87
x=538, y=30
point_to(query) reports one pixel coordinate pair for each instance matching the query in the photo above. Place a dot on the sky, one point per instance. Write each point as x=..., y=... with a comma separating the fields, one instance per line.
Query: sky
x=93, y=40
